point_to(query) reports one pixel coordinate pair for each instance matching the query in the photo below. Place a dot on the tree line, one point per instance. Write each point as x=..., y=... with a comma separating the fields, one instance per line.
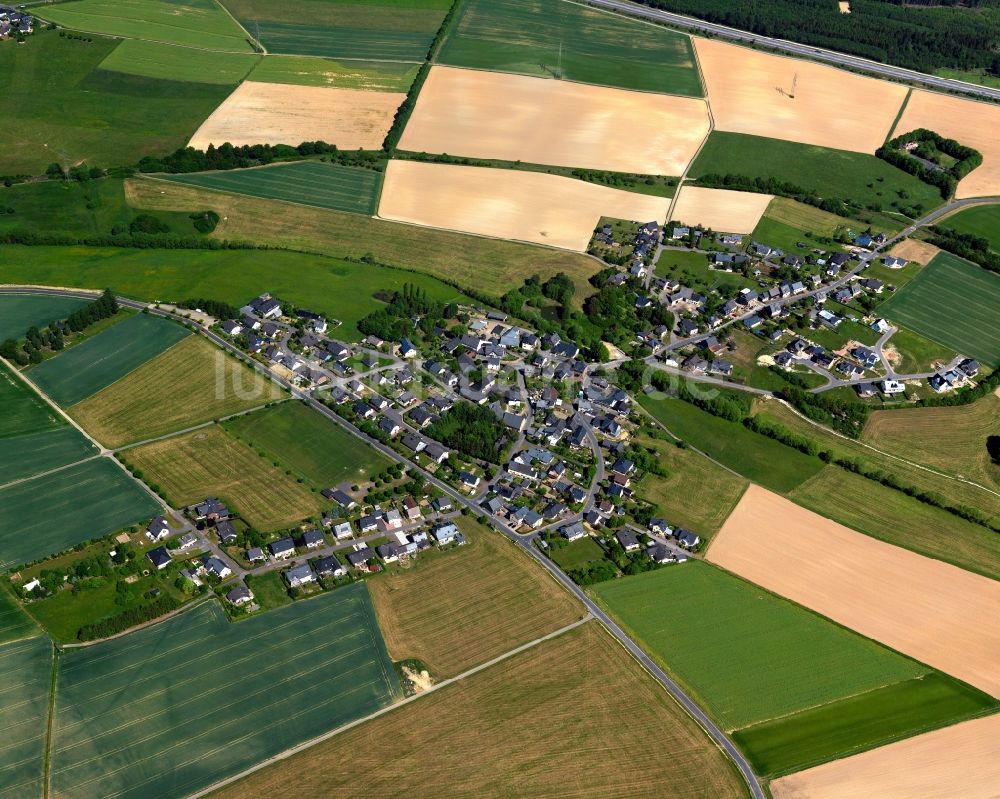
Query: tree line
x=52, y=338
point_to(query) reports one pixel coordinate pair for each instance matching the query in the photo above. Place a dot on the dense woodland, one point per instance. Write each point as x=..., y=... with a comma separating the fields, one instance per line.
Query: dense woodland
x=938, y=33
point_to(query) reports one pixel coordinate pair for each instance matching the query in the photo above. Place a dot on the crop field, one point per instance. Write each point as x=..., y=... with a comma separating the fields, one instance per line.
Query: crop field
x=858, y=176
x=195, y=23
x=208, y=462
x=570, y=41
x=77, y=373
x=266, y=683
x=340, y=188
x=980, y=220
x=971, y=123
x=18, y=312
x=954, y=303
x=786, y=223
x=463, y=608
x=509, y=204
x=25, y=412
x=373, y=76
x=915, y=250
x=508, y=732
x=14, y=623
x=942, y=615
x=53, y=512
x=759, y=98
x=517, y=118
x=309, y=444
x=151, y=59
x=719, y=209
x=24, y=712
x=277, y=113
x=207, y=383
x=34, y=453
x=924, y=767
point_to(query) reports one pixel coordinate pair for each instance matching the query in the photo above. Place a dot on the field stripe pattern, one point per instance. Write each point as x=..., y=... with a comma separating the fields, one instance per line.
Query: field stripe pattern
x=24, y=708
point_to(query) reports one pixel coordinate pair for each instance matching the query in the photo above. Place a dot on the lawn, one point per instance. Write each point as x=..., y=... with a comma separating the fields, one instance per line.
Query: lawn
x=151, y=59
x=82, y=502
x=463, y=607
x=197, y=24
x=575, y=716
x=85, y=369
x=980, y=220
x=208, y=462
x=566, y=40
x=24, y=713
x=269, y=589
x=865, y=179
x=267, y=683
x=203, y=381
x=954, y=303
x=24, y=412
x=34, y=453
x=18, y=312
x=339, y=188
x=310, y=445
x=379, y=76
x=14, y=623
x=577, y=554
x=756, y=457
x=115, y=119
x=692, y=269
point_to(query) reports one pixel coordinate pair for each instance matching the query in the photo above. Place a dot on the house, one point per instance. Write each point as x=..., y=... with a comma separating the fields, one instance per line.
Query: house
x=969, y=367
x=445, y=533
x=891, y=387
x=441, y=504
x=329, y=566
x=390, y=552
x=660, y=554
x=881, y=326
x=185, y=542
x=627, y=540
x=340, y=497
x=215, y=566
x=893, y=262
x=256, y=555
x=864, y=240
x=158, y=529
x=211, y=509
x=865, y=390
x=240, y=595
x=231, y=328
x=659, y=526
x=226, y=532
x=359, y=558
x=406, y=349
x=389, y=427
x=312, y=539
x=282, y=548
x=298, y=576
x=867, y=357
x=687, y=539
x=873, y=285
x=368, y=523
x=469, y=480
x=391, y=520
x=342, y=530
x=159, y=557
x=412, y=509
x=572, y=532
x=436, y=452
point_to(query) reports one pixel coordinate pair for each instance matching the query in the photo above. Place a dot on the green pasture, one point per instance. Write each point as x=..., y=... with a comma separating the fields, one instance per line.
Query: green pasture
x=18, y=312
x=381, y=76
x=555, y=38
x=24, y=713
x=980, y=220
x=96, y=363
x=14, y=622
x=53, y=512
x=260, y=686
x=24, y=412
x=954, y=303
x=339, y=188
x=34, y=453
x=170, y=62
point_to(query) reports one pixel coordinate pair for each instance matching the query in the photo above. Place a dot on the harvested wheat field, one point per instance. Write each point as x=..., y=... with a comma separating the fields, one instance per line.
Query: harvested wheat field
x=508, y=204
x=518, y=118
x=932, y=611
x=968, y=122
x=720, y=209
x=750, y=92
x=276, y=113
x=915, y=250
x=928, y=766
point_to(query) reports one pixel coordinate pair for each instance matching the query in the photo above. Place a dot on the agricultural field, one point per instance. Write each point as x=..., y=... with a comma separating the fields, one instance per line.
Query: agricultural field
x=477, y=114
x=396, y=30
x=15, y=625
x=508, y=204
x=207, y=383
x=18, y=312
x=373, y=76
x=508, y=732
x=314, y=448
x=568, y=41
x=980, y=220
x=27, y=455
x=915, y=250
x=465, y=607
x=787, y=223
x=151, y=59
x=795, y=100
x=25, y=412
x=857, y=176
x=24, y=713
x=277, y=113
x=199, y=24
x=208, y=462
x=321, y=662
x=721, y=210
x=81, y=502
x=954, y=303
x=96, y=363
x=929, y=610
x=340, y=188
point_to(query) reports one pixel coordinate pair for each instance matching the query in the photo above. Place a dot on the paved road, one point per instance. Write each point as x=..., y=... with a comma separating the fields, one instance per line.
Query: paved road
x=802, y=50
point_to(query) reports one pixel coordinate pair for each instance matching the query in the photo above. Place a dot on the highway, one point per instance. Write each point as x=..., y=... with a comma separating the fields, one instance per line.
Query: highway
x=804, y=51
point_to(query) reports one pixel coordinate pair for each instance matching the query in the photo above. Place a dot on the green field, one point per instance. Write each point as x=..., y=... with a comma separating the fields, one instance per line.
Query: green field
x=18, y=312
x=195, y=23
x=313, y=447
x=954, y=303
x=693, y=270
x=865, y=179
x=339, y=188
x=916, y=353
x=14, y=623
x=339, y=289
x=381, y=76
x=169, y=62
x=34, y=453
x=69, y=111
x=76, y=373
x=565, y=40
x=980, y=220
x=576, y=554
x=24, y=713
x=260, y=686
x=53, y=512
x=24, y=412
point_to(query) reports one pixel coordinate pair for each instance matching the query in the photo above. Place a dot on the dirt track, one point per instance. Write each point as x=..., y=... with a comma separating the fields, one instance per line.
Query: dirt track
x=720, y=209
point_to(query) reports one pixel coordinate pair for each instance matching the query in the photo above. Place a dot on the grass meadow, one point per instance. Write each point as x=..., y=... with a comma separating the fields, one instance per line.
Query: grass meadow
x=24, y=714
x=18, y=312
x=508, y=732
x=567, y=40
x=692, y=269
x=339, y=188
x=980, y=220
x=15, y=624
x=150, y=59
x=265, y=684
x=577, y=554
x=378, y=76
x=917, y=354
x=954, y=303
